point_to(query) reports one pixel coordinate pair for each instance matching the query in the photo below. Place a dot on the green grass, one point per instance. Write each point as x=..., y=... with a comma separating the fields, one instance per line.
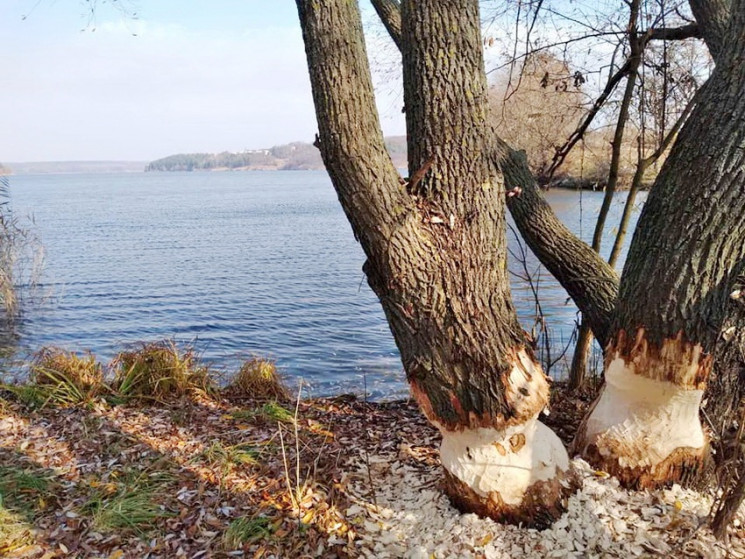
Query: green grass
x=24, y=494
x=244, y=530
x=274, y=411
x=29, y=395
x=133, y=510
x=131, y=502
x=271, y=411
x=226, y=456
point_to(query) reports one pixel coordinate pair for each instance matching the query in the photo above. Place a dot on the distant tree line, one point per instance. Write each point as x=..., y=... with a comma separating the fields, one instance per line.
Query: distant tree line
x=297, y=155
x=294, y=156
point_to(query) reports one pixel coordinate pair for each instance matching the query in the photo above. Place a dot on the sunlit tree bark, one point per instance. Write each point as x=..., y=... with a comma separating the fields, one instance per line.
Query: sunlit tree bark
x=676, y=288
x=435, y=246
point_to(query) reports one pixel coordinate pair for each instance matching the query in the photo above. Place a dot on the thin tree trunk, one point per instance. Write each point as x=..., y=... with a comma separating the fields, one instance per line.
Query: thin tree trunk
x=582, y=350
x=436, y=249
x=673, y=302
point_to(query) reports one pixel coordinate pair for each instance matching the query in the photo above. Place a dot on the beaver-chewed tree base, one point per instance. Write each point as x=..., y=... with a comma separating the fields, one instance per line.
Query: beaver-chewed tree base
x=518, y=475
x=646, y=430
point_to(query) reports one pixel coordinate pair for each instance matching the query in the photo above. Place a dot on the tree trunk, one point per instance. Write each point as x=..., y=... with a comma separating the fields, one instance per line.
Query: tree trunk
x=590, y=281
x=436, y=249
x=582, y=351
x=676, y=287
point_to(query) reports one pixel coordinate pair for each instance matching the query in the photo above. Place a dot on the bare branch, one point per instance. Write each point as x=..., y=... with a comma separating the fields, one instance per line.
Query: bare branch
x=577, y=135
x=690, y=31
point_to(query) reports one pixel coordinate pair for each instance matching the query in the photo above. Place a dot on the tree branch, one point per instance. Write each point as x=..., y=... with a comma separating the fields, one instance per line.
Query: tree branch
x=389, y=12
x=713, y=19
x=588, y=279
x=690, y=31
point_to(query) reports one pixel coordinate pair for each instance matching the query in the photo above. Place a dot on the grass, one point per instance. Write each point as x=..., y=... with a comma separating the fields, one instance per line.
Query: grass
x=229, y=455
x=61, y=377
x=245, y=530
x=29, y=395
x=24, y=493
x=15, y=532
x=258, y=379
x=128, y=503
x=135, y=511
x=160, y=370
x=270, y=411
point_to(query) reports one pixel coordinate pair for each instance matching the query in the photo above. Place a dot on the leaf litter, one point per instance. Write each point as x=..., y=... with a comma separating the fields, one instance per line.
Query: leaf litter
x=338, y=477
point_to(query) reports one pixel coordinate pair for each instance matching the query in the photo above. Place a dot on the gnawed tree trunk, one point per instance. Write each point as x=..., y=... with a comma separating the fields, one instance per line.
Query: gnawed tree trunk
x=436, y=250
x=591, y=283
x=675, y=290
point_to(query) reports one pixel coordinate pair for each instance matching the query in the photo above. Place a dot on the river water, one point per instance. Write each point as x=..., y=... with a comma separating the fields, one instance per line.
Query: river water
x=239, y=263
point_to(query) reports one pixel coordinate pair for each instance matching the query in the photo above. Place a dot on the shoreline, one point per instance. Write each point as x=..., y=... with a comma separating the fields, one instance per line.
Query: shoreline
x=326, y=477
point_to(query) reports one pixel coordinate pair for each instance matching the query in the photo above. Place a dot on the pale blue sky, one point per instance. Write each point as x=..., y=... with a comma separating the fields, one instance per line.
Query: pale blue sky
x=184, y=76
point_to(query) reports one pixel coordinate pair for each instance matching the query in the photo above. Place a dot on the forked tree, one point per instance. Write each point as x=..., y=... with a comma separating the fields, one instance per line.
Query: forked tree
x=436, y=249
x=687, y=328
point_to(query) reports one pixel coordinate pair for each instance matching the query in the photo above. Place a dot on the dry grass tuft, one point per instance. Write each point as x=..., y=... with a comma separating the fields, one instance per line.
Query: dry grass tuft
x=258, y=379
x=54, y=366
x=16, y=534
x=160, y=370
x=62, y=378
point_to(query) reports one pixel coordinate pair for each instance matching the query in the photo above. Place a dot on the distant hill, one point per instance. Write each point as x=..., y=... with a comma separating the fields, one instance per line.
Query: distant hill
x=54, y=167
x=294, y=156
x=291, y=156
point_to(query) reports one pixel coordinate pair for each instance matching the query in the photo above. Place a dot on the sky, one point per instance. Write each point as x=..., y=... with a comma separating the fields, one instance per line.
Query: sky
x=162, y=77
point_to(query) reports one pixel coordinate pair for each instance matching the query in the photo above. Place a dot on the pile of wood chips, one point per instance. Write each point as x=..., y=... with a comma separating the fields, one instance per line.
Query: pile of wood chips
x=206, y=477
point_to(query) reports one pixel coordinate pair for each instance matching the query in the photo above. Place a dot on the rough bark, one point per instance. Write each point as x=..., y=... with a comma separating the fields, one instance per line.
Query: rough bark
x=582, y=350
x=713, y=18
x=389, y=12
x=588, y=279
x=461, y=331
x=435, y=246
x=676, y=287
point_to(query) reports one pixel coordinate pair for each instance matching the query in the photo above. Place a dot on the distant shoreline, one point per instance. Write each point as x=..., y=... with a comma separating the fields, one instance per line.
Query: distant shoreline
x=72, y=167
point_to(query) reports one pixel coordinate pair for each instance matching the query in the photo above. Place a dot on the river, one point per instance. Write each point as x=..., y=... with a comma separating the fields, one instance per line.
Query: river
x=238, y=262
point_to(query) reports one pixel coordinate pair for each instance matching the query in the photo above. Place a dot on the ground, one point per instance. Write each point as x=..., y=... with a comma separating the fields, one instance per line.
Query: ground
x=336, y=477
